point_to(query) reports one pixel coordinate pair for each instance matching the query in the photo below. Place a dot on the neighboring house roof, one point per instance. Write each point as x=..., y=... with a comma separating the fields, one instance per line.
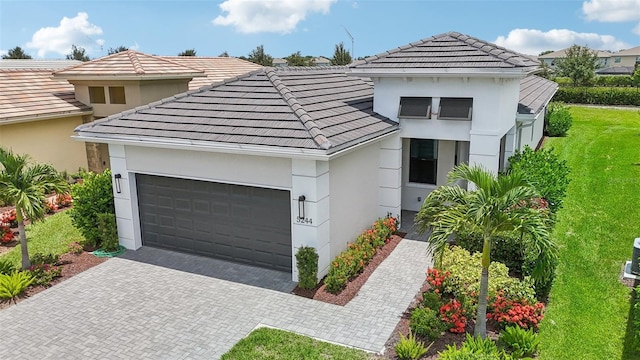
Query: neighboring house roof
x=634, y=51
x=300, y=107
x=535, y=93
x=616, y=70
x=129, y=65
x=52, y=64
x=449, y=51
x=321, y=60
x=279, y=61
x=27, y=95
x=216, y=69
x=563, y=53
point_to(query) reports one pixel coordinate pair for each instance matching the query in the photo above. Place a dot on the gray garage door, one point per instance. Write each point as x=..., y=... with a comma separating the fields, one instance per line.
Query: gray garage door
x=231, y=222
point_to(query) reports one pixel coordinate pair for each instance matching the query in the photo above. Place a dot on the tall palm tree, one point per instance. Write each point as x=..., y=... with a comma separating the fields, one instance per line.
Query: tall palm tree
x=25, y=185
x=499, y=204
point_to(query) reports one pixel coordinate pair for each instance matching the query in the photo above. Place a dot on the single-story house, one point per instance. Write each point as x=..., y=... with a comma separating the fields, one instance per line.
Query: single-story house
x=252, y=168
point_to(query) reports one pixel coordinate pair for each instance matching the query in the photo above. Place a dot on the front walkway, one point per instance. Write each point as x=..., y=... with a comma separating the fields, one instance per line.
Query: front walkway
x=124, y=309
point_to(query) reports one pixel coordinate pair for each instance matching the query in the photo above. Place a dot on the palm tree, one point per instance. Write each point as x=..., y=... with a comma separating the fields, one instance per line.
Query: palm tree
x=25, y=185
x=498, y=205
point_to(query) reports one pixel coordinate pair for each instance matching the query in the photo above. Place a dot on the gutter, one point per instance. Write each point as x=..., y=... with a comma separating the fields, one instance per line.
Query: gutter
x=48, y=116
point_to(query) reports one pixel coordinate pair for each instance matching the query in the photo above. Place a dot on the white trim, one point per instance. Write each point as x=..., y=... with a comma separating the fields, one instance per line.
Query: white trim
x=49, y=116
x=116, y=77
x=453, y=72
x=188, y=177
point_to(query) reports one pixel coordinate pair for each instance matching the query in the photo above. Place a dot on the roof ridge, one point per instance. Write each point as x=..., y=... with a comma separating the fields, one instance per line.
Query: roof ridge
x=318, y=137
x=87, y=62
x=473, y=41
x=137, y=66
x=399, y=48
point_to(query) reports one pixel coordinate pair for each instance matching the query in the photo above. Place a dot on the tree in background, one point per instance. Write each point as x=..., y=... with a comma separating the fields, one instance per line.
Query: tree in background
x=341, y=56
x=224, y=54
x=296, y=59
x=258, y=56
x=78, y=53
x=545, y=52
x=188, y=52
x=579, y=64
x=635, y=78
x=16, y=53
x=120, y=48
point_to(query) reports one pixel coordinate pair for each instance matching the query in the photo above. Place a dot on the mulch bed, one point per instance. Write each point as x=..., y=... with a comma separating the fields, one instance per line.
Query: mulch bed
x=353, y=286
x=72, y=264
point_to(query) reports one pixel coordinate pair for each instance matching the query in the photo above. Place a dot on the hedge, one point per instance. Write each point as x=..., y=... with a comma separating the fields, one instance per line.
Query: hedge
x=601, y=80
x=598, y=96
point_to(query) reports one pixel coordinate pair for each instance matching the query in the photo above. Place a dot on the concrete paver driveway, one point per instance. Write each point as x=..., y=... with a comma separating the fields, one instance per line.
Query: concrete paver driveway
x=124, y=309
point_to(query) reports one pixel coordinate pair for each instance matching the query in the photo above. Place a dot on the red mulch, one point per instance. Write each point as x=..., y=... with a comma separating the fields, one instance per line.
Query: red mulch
x=72, y=264
x=352, y=288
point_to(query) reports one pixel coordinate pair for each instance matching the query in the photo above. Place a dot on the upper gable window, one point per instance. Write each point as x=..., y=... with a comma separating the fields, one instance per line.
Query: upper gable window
x=116, y=95
x=416, y=107
x=455, y=108
x=96, y=95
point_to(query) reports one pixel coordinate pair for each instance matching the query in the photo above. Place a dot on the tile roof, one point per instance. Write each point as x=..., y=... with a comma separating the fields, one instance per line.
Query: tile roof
x=616, y=70
x=29, y=94
x=317, y=108
x=129, y=64
x=215, y=69
x=634, y=51
x=53, y=64
x=448, y=51
x=535, y=93
x=563, y=53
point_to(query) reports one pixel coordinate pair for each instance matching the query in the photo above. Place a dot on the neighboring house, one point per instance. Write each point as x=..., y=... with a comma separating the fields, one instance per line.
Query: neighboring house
x=321, y=61
x=604, y=58
x=279, y=62
x=39, y=111
x=616, y=70
x=252, y=168
x=627, y=58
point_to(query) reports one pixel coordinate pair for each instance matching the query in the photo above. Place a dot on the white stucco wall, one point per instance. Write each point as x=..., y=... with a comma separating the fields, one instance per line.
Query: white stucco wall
x=354, y=195
x=530, y=135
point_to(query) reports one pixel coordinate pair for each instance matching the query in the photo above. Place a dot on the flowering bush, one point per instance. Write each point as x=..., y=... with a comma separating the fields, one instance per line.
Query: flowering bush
x=437, y=278
x=6, y=234
x=75, y=248
x=515, y=312
x=63, y=200
x=50, y=207
x=453, y=313
x=9, y=217
x=43, y=274
x=351, y=263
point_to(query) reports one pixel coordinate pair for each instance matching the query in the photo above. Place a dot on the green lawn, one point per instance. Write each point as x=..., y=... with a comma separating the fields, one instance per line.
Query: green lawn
x=272, y=344
x=589, y=308
x=50, y=236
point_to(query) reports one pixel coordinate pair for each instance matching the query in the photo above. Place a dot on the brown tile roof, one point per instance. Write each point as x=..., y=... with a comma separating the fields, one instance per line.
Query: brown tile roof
x=447, y=51
x=129, y=64
x=30, y=94
x=634, y=51
x=535, y=93
x=52, y=64
x=216, y=69
x=304, y=108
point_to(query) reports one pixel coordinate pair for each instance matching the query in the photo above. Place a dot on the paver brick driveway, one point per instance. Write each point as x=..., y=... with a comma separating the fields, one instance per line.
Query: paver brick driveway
x=124, y=309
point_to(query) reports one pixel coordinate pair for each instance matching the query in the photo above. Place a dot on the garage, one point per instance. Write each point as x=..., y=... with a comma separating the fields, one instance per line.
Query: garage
x=244, y=224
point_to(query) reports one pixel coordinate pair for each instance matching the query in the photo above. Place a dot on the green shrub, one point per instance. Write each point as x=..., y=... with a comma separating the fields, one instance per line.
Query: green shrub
x=40, y=259
x=508, y=249
x=613, y=80
x=307, y=261
x=14, y=284
x=6, y=267
x=558, y=119
x=636, y=318
x=108, y=231
x=94, y=196
x=474, y=349
x=409, y=348
x=519, y=342
x=431, y=300
x=598, y=96
x=426, y=322
x=44, y=268
x=545, y=171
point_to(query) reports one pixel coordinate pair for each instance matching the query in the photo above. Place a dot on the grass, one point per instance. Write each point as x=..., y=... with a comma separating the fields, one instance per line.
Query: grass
x=588, y=313
x=51, y=236
x=273, y=344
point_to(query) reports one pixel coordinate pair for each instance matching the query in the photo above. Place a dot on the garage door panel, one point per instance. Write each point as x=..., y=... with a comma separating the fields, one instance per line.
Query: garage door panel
x=238, y=223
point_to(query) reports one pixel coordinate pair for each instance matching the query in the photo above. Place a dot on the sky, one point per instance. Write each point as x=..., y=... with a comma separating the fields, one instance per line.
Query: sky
x=47, y=29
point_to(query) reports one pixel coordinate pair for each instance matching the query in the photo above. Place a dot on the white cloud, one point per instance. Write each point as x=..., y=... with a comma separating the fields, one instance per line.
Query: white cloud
x=72, y=31
x=3, y=52
x=277, y=16
x=611, y=10
x=636, y=30
x=533, y=42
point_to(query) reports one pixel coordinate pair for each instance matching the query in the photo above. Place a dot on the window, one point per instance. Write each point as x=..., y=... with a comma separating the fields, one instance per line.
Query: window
x=116, y=95
x=415, y=107
x=96, y=95
x=617, y=59
x=423, y=161
x=455, y=108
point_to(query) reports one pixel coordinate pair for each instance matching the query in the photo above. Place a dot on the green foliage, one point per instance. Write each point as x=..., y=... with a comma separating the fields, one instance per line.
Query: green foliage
x=39, y=259
x=408, y=348
x=259, y=57
x=545, y=171
x=16, y=53
x=426, y=322
x=431, y=300
x=116, y=50
x=601, y=81
x=464, y=279
x=341, y=56
x=78, y=53
x=508, y=248
x=519, y=342
x=296, y=59
x=579, y=65
x=108, y=231
x=307, y=261
x=474, y=348
x=635, y=78
x=14, y=284
x=636, y=318
x=6, y=267
x=44, y=268
x=558, y=120
x=188, y=52
x=598, y=96
x=94, y=196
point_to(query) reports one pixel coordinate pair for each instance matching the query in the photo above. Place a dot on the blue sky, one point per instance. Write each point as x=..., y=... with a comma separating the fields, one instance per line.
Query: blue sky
x=46, y=29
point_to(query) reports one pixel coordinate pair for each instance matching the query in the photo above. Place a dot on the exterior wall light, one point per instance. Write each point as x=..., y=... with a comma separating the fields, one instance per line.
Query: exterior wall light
x=301, y=214
x=117, y=178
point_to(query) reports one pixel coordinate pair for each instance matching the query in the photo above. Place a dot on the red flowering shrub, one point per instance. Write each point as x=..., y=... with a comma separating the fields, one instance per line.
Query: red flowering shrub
x=50, y=207
x=516, y=312
x=437, y=278
x=63, y=200
x=453, y=314
x=9, y=218
x=6, y=234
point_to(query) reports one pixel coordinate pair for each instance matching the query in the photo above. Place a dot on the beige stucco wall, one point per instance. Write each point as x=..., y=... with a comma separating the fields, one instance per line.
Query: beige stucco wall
x=47, y=141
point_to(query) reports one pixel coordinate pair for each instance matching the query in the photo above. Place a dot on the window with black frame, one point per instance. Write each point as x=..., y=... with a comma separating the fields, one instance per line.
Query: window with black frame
x=415, y=107
x=423, y=161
